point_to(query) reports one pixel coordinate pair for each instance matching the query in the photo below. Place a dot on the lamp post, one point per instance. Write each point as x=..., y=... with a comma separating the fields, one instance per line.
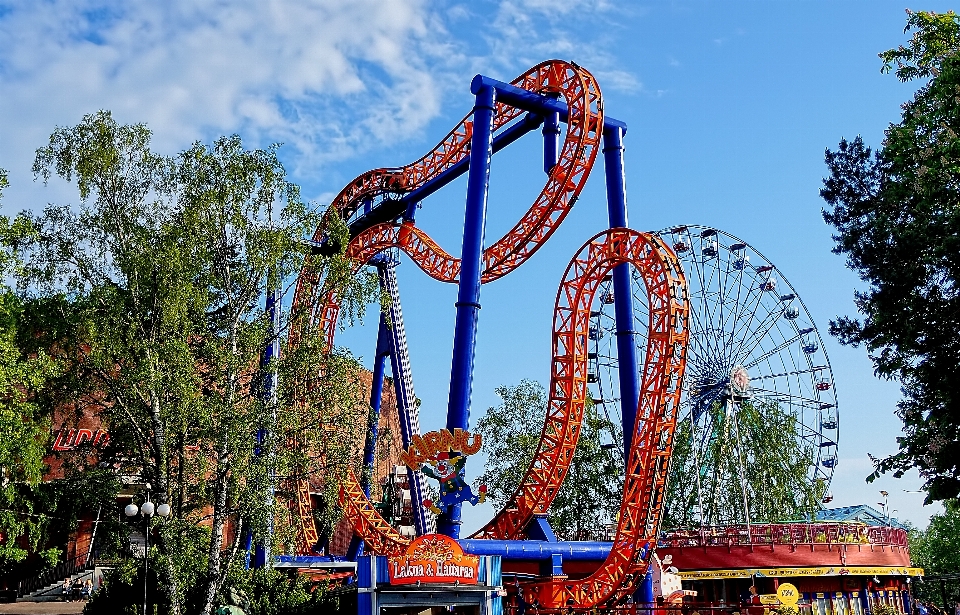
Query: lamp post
x=147, y=509
x=885, y=504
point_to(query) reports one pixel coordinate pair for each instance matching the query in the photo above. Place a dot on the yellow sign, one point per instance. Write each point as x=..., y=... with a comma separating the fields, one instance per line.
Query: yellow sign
x=819, y=571
x=788, y=594
x=433, y=558
x=769, y=599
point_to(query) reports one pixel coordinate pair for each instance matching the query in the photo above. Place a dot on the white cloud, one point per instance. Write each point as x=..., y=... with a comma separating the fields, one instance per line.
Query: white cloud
x=328, y=77
x=331, y=79
x=525, y=32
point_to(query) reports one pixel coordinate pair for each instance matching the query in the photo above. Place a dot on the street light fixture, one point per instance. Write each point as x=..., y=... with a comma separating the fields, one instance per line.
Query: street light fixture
x=885, y=504
x=146, y=510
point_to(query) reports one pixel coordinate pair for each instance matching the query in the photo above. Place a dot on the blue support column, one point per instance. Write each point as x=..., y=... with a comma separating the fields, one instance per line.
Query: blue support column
x=247, y=548
x=376, y=398
x=551, y=141
x=626, y=348
x=539, y=529
x=556, y=565
x=264, y=442
x=370, y=442
x=367, y=584
x=355, y=550
x=406, y=398
x=645, y=594
x=468, y=298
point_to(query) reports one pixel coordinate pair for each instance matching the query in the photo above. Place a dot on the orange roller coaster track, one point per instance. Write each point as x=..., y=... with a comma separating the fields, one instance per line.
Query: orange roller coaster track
x=663, y=366
x=649, y=455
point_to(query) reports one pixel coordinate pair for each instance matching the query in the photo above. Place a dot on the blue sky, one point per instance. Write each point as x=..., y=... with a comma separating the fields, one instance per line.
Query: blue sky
x=729, y=105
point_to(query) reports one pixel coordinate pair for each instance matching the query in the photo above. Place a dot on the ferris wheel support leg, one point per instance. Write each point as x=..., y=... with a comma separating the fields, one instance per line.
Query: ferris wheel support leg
x=468, y=297
x=623, y=296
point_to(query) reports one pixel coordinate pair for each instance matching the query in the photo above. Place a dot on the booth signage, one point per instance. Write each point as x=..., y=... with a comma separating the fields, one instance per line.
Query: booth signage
x=788, y=594
x=434, y=558
x=821, y=571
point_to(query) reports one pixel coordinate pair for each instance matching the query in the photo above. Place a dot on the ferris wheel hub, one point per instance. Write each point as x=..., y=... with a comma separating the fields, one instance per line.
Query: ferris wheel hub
x=740, y=382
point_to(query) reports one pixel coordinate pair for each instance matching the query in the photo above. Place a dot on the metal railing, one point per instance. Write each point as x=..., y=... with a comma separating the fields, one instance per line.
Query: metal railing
x=80, y=563
x=785, y=534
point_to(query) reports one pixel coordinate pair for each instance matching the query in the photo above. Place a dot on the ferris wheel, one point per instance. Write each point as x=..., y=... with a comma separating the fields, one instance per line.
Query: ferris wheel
x=758, y=424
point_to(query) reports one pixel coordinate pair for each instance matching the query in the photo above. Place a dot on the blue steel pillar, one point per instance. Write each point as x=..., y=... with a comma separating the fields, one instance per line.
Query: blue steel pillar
x=406, y=397
x=468, y=297
x=264, y=444
x=551, y=141
x=626, y=349
x=645, y=594
x=376, y=398
x=355, y=550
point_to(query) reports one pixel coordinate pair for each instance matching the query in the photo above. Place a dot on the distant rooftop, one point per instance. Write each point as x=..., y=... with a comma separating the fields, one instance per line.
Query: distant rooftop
x=862, y=513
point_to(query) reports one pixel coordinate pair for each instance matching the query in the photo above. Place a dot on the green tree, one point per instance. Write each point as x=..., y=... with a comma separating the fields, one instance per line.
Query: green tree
x=164, y=267
x=24, y=425
x=937, y=550
x=590, y=496
x=760, y=447
x=896, y=216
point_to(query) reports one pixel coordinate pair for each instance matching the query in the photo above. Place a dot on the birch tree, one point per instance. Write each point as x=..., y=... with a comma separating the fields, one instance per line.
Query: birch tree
x=164, y=264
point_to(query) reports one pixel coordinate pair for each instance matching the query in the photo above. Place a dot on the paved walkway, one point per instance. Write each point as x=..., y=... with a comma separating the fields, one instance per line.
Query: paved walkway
x=43, y=608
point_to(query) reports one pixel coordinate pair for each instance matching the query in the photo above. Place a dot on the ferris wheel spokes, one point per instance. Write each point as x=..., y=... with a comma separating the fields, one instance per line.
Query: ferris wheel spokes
x=756, y=372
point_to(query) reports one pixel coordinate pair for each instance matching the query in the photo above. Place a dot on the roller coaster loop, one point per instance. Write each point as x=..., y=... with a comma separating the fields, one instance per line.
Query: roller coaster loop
x=656, y=417
x=648, y=459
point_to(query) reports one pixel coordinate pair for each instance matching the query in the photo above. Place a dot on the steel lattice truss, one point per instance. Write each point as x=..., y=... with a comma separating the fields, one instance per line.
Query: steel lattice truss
x=661, y=384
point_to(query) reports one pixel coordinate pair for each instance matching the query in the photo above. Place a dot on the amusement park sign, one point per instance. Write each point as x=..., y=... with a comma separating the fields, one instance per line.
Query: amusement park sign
x=434, y=558
x=442, y=455
x=71, y=439
x=428, y=446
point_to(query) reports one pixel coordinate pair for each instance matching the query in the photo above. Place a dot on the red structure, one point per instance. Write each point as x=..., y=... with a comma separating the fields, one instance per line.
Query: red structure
x=839, y=568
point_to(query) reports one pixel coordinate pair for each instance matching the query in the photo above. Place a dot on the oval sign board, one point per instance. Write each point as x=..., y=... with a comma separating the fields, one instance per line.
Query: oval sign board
x=788, y=594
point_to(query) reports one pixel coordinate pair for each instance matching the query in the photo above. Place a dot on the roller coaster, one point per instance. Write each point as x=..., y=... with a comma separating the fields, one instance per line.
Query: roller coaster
x=379, y=208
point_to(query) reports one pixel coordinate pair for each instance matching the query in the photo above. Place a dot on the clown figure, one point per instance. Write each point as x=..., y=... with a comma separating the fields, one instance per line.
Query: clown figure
x=448, y=469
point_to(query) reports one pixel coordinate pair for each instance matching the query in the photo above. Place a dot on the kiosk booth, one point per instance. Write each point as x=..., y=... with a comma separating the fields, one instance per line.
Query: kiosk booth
x=431, y=577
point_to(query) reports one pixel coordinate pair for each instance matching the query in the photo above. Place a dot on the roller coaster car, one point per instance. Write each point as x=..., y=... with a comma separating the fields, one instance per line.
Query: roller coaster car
x=388, y=210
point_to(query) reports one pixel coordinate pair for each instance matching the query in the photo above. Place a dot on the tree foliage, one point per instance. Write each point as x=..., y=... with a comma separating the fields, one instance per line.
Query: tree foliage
x=160, y=276
x=590, y=496
x=897, y=220
x=937, y=550
x=24, y=425
x=760, y=447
